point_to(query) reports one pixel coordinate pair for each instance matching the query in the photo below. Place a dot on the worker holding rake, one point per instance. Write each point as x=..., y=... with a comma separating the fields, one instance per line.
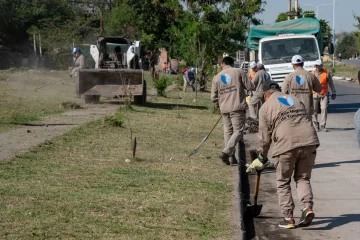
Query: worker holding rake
x=228, y=91
x=283, y=120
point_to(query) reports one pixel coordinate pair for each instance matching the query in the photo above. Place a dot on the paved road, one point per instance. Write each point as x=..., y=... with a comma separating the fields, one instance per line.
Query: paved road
x=355, y=62
x=335, y=180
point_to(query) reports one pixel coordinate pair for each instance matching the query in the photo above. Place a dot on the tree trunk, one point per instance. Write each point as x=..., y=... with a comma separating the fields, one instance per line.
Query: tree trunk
x=101, y=21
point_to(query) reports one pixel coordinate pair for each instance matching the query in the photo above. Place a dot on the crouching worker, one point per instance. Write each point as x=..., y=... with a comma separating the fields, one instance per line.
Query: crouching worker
x=228, y=91
x=283, y=120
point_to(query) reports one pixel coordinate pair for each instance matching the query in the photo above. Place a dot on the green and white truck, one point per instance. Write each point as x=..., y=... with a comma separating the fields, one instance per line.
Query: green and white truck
x=274, y=45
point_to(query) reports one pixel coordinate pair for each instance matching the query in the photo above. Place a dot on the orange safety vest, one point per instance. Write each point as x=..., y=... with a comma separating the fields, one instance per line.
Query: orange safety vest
x=252, y=74
x=323, y=81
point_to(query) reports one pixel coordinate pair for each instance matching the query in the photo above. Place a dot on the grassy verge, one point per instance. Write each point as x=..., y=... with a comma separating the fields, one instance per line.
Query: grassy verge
x=20, y=103
x=342, y=70
x=78, y=186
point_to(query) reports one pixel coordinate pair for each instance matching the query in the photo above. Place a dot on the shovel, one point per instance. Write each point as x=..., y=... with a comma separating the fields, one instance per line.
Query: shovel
x=255, y=209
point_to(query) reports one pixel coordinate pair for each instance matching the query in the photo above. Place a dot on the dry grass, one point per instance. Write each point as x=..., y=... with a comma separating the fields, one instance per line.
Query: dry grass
x=19, y=101
x=78, y=186
x=343, y=70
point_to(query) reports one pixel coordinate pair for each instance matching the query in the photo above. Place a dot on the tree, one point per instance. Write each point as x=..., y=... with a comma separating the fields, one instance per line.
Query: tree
x=326, y=32
x=346, y=45
x=284, y=17
x=16, y=17
x=207, y=29
x=121, y=21
x=357, y=34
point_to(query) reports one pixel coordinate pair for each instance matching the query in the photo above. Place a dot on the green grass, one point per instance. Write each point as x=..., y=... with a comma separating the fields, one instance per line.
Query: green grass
x=78, y=186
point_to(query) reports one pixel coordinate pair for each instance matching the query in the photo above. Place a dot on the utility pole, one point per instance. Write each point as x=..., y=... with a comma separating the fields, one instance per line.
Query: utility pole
x=289, y=8
x=334, y=33
x=35, y=53
x=40, y=50
x=296, y=8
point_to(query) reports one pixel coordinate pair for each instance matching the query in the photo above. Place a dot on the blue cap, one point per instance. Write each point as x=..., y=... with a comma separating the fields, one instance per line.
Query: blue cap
x=75, y=50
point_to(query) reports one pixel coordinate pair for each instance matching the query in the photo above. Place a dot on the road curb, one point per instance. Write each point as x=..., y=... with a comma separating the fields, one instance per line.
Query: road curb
x=247, y=226
x=341, y=78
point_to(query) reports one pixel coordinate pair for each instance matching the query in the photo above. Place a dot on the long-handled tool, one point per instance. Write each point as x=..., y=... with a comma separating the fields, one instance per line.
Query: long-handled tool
x=50, y=83
x=204, y=140
x=255, y=209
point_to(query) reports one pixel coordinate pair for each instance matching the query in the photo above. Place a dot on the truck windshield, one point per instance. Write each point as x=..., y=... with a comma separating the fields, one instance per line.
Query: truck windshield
x=282, y=50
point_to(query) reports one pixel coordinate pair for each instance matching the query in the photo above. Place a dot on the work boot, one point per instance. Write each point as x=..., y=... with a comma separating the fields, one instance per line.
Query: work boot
x=225, y=158
x=233, y=160
x=287, y=223
x=324, y=129
x=307, y=216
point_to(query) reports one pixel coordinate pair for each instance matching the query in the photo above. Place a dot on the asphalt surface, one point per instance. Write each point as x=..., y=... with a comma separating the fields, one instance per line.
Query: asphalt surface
x=335, y=179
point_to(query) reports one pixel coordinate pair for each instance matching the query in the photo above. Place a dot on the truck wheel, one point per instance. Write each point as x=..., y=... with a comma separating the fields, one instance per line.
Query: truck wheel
x=94, y=99
x=141, y=100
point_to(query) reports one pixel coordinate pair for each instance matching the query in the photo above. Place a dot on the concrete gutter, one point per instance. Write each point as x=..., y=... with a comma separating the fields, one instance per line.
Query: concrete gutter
x=342, y=78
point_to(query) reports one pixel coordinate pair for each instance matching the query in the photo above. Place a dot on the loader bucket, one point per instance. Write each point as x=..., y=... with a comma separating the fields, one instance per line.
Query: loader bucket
x=110, y=82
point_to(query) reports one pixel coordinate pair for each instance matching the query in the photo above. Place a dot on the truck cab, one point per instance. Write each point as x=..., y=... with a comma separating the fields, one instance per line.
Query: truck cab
x=276, y=53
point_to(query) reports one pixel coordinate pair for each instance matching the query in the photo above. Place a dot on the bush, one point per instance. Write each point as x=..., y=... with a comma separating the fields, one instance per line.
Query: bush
x=161, y=84
x=116, y=121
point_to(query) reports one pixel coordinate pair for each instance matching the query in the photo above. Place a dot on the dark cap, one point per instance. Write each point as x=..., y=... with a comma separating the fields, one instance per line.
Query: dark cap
x=270, y=85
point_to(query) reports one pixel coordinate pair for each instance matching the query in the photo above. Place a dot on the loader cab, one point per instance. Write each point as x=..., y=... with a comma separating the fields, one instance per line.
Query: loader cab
x=127, y=58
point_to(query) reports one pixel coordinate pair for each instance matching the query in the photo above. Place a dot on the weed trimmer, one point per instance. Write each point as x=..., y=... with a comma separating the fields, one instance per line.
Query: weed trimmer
x=203, y=141
x=36, y=89
x=255, y=209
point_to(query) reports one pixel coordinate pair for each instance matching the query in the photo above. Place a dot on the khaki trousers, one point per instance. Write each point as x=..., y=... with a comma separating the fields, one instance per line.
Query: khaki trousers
x=299, y=161
x=185, y=83
x=323, y=100
x=254, y=106
x=234, y=124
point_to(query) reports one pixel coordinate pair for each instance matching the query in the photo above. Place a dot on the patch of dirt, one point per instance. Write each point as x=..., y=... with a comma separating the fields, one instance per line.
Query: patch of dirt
x=25, y=137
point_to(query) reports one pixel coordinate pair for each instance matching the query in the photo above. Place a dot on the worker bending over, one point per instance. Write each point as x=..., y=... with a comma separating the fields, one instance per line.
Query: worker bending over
x=284, y=122
x=257, y=99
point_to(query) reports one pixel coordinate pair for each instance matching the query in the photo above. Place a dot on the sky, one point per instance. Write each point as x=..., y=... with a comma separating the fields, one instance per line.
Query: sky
x=344, y=20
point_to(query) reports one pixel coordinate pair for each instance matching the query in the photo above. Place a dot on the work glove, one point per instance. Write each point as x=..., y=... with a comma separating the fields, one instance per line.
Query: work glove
x=258, y=164
x=333, y=96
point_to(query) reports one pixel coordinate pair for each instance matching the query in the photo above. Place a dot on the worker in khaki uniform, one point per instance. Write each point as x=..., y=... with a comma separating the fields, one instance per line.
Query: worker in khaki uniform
x=283, y=121
x=253, y=70
x=79, y=63
x=301, y=84
x=251, y=76
x=326, y=81
x=260, y=78
x=228, y=91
